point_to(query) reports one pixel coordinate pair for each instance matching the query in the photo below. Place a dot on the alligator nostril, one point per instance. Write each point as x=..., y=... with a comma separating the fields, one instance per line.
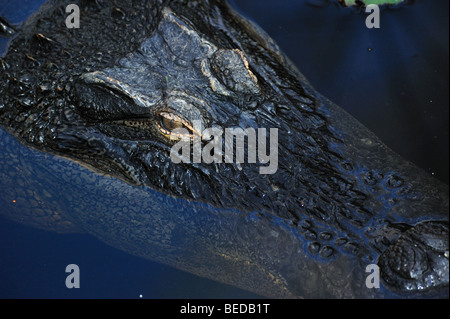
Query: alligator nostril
x=406, y=259
x=417, y=260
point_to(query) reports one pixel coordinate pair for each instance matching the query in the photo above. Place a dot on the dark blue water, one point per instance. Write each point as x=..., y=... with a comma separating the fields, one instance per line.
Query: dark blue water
x=394, y=80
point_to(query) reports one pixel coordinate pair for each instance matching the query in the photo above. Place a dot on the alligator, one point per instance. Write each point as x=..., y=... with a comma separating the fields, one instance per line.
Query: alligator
x=90, y=116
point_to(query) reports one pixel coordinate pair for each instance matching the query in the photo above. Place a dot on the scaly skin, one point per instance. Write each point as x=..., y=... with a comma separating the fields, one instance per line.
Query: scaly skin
x=107, y=98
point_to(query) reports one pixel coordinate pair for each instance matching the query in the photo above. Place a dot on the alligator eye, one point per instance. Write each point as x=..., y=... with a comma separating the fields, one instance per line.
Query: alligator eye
x=168, y=122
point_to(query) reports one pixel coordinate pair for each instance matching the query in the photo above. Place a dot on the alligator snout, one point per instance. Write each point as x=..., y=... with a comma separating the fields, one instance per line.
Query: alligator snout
x=418, y=260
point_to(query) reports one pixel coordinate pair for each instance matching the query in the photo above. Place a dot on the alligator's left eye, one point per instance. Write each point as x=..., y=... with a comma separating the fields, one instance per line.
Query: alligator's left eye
x=169, y=122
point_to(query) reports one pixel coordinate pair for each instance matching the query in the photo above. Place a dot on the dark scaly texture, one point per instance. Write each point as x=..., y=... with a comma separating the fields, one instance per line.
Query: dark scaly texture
x=96, y=95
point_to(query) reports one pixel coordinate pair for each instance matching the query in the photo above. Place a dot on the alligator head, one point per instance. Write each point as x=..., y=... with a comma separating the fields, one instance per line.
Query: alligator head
x=120, y=102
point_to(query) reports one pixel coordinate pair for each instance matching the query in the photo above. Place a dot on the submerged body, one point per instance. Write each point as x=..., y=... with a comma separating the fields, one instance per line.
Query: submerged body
x=340, y=199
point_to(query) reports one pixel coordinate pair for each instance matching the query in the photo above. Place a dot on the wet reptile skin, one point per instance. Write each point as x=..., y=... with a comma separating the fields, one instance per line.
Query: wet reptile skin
x=99, y=96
